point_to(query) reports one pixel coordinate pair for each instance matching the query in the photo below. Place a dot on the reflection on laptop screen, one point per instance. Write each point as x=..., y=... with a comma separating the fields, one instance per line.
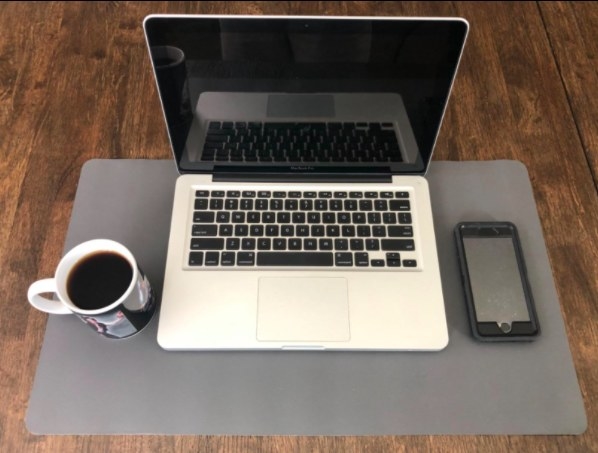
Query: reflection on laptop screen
x=307, y=93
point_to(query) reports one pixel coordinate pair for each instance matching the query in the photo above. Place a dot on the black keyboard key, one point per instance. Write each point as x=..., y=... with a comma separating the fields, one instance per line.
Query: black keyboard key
x=283, y=217
x=310, y=244
x=302, y=230
x=246, y=258
x=272, y=230
x=217, y=193
x=233, y=244
x=212, y=258
x=321, y=205
x=215, y=204
x=248, y=243
x=227, y=259
x=313, y=217
x=264, y=244
x=195, y=258
x=325, y=244
x=393, y=259
x=249, y=194
x=225, y=230
x=268, y=217
x=372, y=244
x=233, y=193
x=409, y=263
x=389, y=218
x=329, y=217
x=287, y=230
x=362, y=259
x=295, y=259
x=402, y=194
x=400, y=231
x=405, y=218
x=336, y=205
x=399, y=205
x=350, y=205
x=231, y=204
x=374, y=218
x=306, y=205
x=247, y=204
x=253, y=217
x=356, y=244
x=377, y=263
x=261, y=204
x=366, y=205
x=203, y=217
x=204, y=230
x=241, y=230
x=264, y=194
x=238, y=217
x=295, y=244
x=202, y=194
x=207, y=244
x=291, y=205
x=256, y=230
x=348, y=230
x=343, y=259
x=341, y=244
x=398, y=244
x=201, y=204
x=343, y=217
x=223, y=217
x=279, y=244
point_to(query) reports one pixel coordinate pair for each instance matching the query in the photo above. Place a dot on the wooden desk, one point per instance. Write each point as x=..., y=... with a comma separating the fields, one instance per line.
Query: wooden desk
x=76, y=84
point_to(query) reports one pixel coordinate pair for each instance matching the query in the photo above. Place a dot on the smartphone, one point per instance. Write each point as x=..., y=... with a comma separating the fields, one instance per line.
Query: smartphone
x=497, y=292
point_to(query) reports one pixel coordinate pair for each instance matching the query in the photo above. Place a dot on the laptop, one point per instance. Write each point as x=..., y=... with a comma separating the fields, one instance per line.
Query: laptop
x=302, y=218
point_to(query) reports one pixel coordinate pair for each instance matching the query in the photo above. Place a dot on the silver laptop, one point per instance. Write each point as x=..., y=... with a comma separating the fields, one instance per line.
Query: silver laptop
x=302, y=218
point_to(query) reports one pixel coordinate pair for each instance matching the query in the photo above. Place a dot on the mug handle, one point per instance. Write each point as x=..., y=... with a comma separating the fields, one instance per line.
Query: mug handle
x=47, y=285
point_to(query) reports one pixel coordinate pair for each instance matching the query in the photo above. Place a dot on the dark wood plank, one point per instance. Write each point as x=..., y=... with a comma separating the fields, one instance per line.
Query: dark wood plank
x=75, y=84
x=572, y=29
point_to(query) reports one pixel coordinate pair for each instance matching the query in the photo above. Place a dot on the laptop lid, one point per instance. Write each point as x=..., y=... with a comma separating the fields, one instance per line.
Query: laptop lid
x=259, y=69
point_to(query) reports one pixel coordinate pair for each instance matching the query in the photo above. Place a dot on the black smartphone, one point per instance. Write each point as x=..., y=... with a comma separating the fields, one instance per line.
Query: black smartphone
x=497, y=292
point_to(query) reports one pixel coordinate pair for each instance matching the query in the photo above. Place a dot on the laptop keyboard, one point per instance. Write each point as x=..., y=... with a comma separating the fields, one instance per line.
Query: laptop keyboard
x=282, y=229
x=300, y=142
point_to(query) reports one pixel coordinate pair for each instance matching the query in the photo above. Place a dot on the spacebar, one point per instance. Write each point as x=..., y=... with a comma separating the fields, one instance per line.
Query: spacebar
x=295, y=259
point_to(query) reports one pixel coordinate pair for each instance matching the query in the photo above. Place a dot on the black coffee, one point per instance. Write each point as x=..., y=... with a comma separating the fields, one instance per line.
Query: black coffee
x=99, y=280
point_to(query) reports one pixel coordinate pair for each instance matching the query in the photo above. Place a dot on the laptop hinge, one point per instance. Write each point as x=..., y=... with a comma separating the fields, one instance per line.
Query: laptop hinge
x=297, y=177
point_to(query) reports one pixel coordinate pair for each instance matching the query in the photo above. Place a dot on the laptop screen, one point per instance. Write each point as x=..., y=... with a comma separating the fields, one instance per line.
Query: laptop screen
x=307, y=95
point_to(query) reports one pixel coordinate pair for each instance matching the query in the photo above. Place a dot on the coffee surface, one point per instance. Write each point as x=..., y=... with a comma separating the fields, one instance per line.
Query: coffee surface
x=98, y=280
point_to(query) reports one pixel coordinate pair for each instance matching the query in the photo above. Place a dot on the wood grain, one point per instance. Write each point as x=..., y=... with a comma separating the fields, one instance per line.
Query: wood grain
x=75, y=84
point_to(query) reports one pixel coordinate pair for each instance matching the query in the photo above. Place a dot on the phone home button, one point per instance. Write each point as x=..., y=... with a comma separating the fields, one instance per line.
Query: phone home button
x=504, y=326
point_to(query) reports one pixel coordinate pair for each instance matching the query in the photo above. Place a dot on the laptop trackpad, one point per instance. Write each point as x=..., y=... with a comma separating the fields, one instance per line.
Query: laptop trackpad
x=304, y=309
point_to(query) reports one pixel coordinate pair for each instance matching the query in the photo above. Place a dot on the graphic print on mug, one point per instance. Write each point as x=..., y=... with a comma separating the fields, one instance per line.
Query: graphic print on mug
x=100, y=282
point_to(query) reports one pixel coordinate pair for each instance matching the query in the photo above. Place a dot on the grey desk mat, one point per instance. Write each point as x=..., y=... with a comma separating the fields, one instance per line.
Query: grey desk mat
x=89, y=385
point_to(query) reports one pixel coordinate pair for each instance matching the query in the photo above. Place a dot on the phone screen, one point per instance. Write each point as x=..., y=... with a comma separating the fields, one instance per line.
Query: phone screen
x=497, y=289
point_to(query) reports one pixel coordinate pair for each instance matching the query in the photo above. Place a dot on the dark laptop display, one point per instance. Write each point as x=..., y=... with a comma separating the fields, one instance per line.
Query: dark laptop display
x=304, y=95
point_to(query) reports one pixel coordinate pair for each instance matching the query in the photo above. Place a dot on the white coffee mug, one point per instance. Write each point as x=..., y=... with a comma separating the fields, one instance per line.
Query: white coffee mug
x=100, y=282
